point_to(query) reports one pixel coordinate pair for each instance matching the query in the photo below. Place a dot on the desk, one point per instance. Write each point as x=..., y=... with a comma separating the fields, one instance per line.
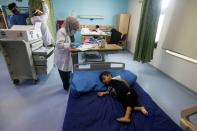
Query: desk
x=107, y=49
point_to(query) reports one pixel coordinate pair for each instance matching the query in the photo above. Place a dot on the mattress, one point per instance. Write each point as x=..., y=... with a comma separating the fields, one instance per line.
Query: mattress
x=89, y=112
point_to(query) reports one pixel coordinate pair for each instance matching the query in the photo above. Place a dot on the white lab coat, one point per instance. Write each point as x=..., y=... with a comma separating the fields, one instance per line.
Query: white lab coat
x=62, y=58
x=46, y=34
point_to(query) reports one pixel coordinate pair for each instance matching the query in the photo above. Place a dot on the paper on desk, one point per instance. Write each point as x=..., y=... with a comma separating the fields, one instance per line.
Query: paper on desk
x=85, y=47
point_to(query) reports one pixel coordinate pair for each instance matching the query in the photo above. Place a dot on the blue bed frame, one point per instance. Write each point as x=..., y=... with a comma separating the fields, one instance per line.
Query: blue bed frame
x=90, y=112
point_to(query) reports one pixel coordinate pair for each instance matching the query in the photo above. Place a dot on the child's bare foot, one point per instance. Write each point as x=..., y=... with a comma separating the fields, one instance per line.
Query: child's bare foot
x=123, y=119
x=144, y=111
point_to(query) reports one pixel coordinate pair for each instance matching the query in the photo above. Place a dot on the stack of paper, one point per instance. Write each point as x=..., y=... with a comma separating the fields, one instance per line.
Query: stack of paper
x=85, y=47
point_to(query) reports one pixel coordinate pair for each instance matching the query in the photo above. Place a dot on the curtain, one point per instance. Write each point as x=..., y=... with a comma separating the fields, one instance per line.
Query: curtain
x=147, y=30
x=37, y=4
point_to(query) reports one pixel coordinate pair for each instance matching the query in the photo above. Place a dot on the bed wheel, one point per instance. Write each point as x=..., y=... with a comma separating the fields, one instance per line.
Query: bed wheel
x=35, y=81
x=16, y=81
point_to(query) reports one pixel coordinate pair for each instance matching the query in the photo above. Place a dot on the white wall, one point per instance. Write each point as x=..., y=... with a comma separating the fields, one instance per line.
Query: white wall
x=182, y=71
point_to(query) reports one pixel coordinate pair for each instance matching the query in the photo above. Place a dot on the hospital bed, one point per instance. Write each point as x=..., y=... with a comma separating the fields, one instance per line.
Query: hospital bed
x=86, y=111
x=185, y=122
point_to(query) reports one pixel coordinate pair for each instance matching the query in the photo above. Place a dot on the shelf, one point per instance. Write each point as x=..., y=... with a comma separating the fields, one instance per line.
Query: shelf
x=91, y=17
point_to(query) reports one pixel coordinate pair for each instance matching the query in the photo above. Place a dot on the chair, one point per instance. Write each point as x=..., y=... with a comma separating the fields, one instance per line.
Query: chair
x=123, y=41
x=115, y=36
x=59, y=23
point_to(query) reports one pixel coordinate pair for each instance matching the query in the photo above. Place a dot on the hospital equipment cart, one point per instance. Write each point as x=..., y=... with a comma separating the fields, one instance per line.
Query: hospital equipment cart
x=24, y=53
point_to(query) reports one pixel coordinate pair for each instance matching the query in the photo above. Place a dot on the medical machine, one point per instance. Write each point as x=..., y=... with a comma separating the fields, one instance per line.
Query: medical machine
x=24, y=53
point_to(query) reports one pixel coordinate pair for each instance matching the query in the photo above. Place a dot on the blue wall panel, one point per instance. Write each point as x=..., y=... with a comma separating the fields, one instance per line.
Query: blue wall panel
x=63, y=8
x=108, y=8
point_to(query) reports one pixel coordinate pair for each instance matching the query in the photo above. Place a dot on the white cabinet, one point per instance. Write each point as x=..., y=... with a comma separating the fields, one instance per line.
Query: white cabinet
x=123, y=23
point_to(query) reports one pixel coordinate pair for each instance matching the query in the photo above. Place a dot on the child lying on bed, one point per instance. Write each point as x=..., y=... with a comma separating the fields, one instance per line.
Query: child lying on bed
x=121, y=90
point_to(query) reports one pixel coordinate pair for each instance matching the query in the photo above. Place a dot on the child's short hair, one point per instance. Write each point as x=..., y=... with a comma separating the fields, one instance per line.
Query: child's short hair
x=103, y=74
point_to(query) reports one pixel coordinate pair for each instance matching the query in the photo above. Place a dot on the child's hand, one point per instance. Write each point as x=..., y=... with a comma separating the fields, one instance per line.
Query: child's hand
x=100, y=93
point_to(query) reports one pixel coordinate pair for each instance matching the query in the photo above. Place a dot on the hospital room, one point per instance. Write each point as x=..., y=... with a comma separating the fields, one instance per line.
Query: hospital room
x=98, y=65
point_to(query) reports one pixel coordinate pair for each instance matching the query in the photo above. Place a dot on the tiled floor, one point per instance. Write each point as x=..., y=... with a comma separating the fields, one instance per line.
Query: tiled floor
x=42, y=107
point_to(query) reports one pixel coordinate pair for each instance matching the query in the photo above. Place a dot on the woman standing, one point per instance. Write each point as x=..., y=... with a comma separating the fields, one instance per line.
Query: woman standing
x=42, y=17
x=63, y=59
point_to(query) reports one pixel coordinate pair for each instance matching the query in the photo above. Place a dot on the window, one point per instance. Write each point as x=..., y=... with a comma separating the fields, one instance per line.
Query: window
x=181, y=37
x=164, y=6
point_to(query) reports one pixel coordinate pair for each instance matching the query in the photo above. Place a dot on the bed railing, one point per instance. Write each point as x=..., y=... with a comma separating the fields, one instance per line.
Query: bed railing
x=99, y=66
x=185, y=121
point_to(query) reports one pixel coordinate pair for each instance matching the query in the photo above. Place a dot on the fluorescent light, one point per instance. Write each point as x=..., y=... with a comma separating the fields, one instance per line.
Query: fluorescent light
x=181, y=56
x=91, y=17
